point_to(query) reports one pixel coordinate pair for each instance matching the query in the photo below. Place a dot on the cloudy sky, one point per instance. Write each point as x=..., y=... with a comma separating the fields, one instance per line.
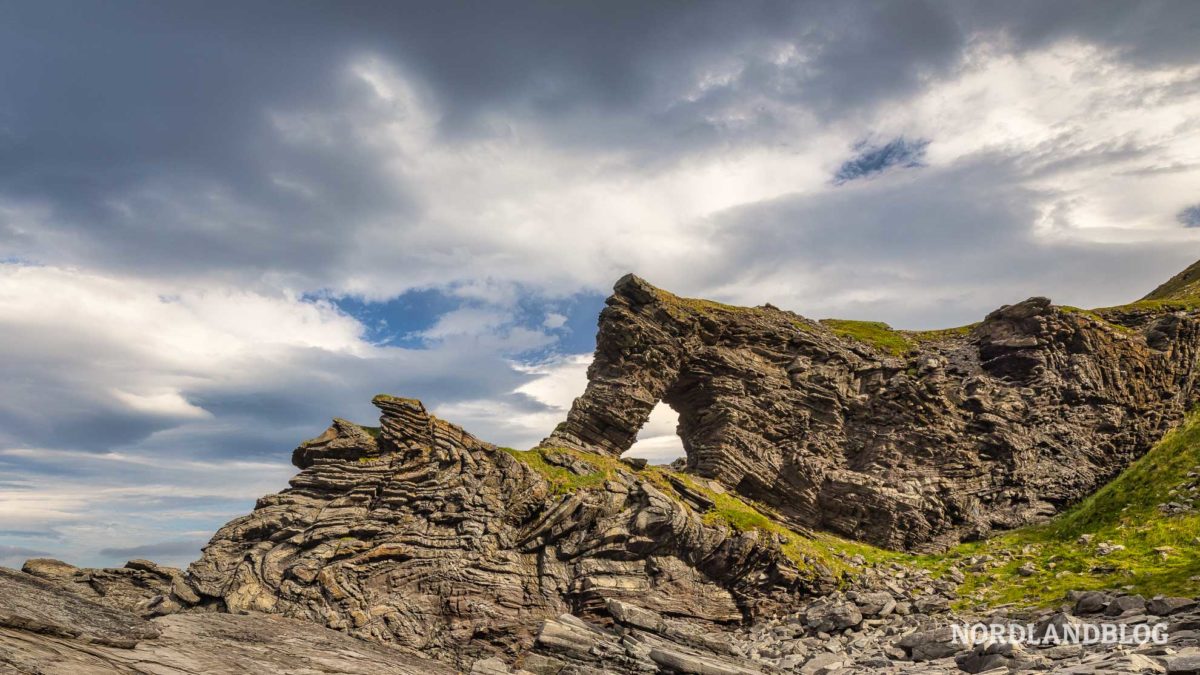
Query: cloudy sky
x=224, y=223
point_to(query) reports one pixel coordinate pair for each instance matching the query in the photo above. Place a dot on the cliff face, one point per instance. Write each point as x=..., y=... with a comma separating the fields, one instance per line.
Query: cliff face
x=905, y=440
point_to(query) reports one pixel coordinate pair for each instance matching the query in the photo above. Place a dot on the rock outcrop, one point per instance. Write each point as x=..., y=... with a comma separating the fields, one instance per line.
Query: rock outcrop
x=48, y=628
x=423, y=536
x=906, y=440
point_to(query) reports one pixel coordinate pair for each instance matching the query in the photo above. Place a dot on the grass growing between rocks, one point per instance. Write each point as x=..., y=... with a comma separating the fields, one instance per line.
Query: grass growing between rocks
x=940, y=334
x=806, y=550
x=874, y=333
x=1161, y=554
x=563, y=480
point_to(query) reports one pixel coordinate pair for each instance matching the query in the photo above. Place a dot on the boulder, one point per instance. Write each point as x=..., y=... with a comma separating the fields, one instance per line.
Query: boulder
x=831, y=617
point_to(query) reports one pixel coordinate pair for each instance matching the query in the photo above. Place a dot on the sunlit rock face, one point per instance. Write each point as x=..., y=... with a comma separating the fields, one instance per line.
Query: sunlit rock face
x=905, y=440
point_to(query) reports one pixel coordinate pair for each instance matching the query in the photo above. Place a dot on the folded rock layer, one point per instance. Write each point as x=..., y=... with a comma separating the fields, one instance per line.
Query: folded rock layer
x=421, y=535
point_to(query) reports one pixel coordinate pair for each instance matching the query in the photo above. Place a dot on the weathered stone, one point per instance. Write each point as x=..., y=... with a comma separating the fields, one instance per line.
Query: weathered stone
x=35, y=605
x=823, y=663
x=1186, y=662
x=832, y=617
x=1091, y=602
x=875, y=604
x=912, y=450
x=208, y=643
x=1169, y=606
x=1125, y=604
x=931, y=644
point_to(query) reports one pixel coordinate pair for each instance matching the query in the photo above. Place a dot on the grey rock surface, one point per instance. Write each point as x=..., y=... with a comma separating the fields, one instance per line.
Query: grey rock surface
x=48, y=629
x=950, y=435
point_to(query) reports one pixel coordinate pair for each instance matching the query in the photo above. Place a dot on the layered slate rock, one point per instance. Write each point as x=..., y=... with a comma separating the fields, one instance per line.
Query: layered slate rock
x=50, y=628
x=420, y=535
x=905, y=440
x=142, y=587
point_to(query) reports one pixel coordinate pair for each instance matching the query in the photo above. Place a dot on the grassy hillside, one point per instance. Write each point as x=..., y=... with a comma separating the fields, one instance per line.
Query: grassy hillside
x=1162, y=549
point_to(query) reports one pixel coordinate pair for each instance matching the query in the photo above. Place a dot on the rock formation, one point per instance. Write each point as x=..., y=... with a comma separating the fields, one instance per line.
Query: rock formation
x=423, y=536
x=908, y=440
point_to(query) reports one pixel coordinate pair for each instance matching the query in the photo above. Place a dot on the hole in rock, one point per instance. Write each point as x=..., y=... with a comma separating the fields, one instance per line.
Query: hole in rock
x=658, y=442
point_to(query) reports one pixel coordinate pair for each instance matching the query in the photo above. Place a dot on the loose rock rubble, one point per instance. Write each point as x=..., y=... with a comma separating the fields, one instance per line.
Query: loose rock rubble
x=856, y=633
x=1185, y=497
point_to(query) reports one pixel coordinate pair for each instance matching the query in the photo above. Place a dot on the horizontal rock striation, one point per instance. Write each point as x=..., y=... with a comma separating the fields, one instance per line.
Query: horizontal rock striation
x=422, y=536
x=59, y=627
x=905, y=440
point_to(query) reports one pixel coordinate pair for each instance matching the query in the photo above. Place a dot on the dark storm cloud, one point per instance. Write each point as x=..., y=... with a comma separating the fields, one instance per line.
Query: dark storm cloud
x=15, y=555
x=143, y=129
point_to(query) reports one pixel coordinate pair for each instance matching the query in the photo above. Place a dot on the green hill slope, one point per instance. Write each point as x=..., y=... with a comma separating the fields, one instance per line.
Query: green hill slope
x=1152, y=510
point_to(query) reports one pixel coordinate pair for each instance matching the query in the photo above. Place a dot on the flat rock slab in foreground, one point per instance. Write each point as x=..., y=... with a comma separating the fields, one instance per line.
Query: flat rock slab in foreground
x=50, y=630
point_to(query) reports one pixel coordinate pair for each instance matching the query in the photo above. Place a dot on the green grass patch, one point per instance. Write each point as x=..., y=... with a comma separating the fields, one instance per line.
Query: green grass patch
x=1150, y=307
x=1161, y=555
x=562, y=480
x=940, y=334
x=1183, y=287
x=681, y=307
x=873, y=333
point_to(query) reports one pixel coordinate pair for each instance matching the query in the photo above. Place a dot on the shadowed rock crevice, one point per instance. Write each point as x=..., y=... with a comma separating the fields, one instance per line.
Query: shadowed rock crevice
x=910, y=440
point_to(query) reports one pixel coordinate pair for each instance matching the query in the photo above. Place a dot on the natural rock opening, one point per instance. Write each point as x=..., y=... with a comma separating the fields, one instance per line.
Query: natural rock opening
x=658, y=440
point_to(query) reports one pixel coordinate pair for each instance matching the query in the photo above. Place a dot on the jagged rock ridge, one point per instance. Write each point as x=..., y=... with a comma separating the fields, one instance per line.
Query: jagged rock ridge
x=953, y=435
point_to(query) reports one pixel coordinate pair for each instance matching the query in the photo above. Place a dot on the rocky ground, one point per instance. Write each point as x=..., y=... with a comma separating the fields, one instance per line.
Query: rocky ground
x=53, y=628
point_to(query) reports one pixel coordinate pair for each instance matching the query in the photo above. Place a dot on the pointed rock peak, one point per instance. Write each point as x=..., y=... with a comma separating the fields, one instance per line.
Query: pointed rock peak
x=1183, y=286
x=636, y=289
x=343, y=440
x=405, y=420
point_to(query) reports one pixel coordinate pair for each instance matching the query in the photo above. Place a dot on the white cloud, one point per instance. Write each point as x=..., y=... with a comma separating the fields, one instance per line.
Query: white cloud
x=658, y=441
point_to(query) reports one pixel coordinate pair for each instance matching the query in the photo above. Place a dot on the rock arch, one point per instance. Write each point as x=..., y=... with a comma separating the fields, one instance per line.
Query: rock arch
x=960, y=433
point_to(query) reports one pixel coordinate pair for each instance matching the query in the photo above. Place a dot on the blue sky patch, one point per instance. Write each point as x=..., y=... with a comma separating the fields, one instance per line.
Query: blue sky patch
x=403, y=320
x=872, y=159
x=1189, y=217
